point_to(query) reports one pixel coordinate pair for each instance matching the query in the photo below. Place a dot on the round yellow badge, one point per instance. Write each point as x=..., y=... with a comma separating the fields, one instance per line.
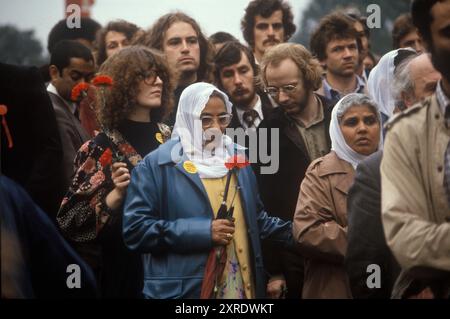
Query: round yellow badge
x=190, y=167
x=159, y=138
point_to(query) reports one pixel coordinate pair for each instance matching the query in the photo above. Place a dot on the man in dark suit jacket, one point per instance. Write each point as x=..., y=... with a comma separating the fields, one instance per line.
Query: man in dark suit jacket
x=34, y=158
x=236, y=73
x=70, y=64
x=366, y=242
x=302, y=119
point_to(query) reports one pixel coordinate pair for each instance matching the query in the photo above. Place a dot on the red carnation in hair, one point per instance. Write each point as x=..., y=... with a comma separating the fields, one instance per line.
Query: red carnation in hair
x=106, y=158
x=102, y=80
x=79, y=91
x=237, y=161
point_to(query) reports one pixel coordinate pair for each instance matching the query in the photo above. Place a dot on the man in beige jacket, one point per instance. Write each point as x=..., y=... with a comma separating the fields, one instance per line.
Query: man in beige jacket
x=415, y=171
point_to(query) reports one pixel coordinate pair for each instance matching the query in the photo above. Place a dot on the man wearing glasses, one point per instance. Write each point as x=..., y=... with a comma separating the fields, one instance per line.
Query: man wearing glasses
x=291, y=75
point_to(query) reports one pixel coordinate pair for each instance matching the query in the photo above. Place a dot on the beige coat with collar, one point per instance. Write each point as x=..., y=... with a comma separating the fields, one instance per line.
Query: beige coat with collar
x=415, y=210
x=320, y=226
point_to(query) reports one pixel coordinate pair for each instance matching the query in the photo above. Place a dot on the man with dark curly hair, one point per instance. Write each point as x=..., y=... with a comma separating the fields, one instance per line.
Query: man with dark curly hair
x=267, y=23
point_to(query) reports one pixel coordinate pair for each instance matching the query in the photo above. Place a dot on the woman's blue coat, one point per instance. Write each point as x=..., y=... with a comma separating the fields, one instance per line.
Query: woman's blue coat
x=167, y=217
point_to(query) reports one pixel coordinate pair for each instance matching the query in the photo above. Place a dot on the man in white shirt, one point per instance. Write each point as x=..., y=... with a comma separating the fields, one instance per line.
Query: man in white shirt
x=236, y=72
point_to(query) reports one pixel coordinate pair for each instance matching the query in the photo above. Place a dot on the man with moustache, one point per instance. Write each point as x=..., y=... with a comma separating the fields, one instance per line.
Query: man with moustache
x=336, y=44
x=291, y=75
x=236, y=73
x=415, y=171
x=188, y=52
x=267, y=23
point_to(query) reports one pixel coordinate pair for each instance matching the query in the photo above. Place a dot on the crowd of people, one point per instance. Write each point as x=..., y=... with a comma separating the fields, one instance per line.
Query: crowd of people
x=168, y=164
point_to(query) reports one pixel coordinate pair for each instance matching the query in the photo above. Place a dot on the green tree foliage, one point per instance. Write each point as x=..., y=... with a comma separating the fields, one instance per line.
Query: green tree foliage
x=19, y=47
x=380, y=38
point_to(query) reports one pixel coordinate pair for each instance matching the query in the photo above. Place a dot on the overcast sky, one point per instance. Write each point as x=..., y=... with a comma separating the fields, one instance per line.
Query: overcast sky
x=212, y=15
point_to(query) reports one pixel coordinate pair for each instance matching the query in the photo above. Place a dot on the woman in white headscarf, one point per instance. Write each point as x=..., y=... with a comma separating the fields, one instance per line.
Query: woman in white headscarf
x=173, y=200
x=320, y=220
x=381, y=81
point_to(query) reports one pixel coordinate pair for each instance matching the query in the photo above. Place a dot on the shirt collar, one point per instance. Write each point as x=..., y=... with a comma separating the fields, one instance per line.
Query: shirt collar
x=257, y=108
x=442, y=99
x=335, y=95
x=52, y=89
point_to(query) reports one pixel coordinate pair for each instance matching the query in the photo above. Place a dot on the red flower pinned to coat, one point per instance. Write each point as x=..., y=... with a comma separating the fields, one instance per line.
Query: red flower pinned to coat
x=237, y=161
x=79, y=91
x=106, y=158
x=3, y=111
x=102, y=80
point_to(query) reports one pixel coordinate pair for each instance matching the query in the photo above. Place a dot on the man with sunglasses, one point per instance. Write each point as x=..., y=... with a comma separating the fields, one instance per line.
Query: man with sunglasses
x=291, y=75
x=70, y=63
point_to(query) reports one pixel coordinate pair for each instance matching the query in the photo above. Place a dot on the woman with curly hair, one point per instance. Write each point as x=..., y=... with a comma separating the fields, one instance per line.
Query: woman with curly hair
x=129, y=112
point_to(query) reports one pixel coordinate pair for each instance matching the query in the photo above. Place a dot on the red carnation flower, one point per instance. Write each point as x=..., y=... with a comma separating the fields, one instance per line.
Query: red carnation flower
x=237, y=161
x=106, y=158
x=102, y=80
x=79, y=91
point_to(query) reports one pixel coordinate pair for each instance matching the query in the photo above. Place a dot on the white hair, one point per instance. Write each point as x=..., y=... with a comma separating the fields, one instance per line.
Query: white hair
x=356, y=99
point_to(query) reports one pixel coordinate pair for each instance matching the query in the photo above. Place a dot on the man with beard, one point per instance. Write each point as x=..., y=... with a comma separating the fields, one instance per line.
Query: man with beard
x=336, y=44
x=188, y=52
x=291, y=75
x=267, y=23
x=236, y=73
x=415, y=171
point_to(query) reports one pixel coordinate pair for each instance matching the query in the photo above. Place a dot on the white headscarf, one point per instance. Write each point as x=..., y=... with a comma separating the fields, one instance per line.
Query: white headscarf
x=380, y=82
x=188, y=127
x=338, y=144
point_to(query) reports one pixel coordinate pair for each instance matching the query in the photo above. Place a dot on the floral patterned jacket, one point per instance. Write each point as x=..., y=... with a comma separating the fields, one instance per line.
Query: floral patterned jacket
x=83, y=215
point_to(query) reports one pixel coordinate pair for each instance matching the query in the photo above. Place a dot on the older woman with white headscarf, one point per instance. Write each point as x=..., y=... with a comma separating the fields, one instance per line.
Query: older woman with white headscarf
x=320, y=220
x=172, y=204
x=381, y=81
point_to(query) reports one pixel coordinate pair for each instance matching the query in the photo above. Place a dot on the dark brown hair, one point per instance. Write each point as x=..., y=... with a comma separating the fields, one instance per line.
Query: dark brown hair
x=230, y=54
x=266, y=8
x=122, y=26
x=335, y=26
x=154, y=38
x=128, y=68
